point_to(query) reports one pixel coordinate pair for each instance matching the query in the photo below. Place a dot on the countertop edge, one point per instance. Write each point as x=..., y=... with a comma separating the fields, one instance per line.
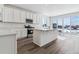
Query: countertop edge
x=7, y=34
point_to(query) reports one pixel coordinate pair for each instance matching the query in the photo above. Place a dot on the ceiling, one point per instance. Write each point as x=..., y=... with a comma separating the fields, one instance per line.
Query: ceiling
x=50, y=9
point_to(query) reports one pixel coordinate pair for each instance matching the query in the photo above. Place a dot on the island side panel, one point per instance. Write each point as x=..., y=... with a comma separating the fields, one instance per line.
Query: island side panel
x=43, y=37
x=36, y=37
x=47, y=37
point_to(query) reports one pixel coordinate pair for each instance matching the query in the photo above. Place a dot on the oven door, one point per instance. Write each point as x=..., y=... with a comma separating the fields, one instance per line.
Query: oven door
x=30, y=31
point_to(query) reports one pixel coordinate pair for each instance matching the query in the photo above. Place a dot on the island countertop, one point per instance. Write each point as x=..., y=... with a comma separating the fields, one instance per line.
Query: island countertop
x=44, y=29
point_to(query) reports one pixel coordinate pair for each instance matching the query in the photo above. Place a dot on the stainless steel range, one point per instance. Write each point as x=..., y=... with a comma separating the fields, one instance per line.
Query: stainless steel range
x=29, y=31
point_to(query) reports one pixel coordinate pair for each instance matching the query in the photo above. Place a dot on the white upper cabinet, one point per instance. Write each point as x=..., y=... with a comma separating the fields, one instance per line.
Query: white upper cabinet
x=17, y=15
x=13, y=14
x=31, y=15
x=8, y=14
x=34, y=19
x=1, y=11
x=23, y=16
x=28, y=15
x=38, y=19
x=1, y=7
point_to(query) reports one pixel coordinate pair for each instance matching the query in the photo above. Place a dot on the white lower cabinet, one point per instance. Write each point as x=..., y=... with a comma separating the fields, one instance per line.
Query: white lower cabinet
x=24, y=33
x=21, y=33
x=18, y=34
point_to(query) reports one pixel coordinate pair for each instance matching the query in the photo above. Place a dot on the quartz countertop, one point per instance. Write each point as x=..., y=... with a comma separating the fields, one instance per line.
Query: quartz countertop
x=45, y=29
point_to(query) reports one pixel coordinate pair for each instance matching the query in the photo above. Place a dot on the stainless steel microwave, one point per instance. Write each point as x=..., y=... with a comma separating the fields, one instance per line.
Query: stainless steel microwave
x=29, y=21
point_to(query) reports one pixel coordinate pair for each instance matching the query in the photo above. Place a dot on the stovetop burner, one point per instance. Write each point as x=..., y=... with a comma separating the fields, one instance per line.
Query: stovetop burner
x=28, y=26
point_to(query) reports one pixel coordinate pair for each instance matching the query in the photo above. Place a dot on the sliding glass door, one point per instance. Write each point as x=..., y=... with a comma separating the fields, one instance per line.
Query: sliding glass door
x=69, y=24
x=54, y=23
x=60, y=25
x=66, y=25
x=74, y=24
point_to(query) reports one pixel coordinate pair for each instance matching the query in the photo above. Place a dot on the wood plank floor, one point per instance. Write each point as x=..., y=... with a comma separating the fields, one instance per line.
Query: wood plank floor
x=68, y=46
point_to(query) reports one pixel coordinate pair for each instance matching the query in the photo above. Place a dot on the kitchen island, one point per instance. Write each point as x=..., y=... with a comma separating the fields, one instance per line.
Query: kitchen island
x=42, y=37
x=8, y=42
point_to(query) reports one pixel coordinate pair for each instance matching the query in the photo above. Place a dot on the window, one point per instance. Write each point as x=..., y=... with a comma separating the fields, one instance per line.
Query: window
x=66, y=24
x=54, y=23
x=74, y=23
x=60, y=25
